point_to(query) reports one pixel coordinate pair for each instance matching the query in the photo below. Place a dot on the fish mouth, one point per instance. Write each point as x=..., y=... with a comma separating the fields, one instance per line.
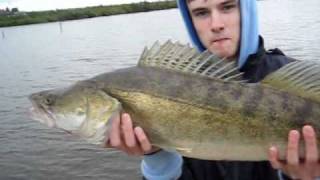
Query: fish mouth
x=41, y=114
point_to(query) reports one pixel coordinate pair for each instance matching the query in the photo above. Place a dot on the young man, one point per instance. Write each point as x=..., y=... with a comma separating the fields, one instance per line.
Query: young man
x=227, y=28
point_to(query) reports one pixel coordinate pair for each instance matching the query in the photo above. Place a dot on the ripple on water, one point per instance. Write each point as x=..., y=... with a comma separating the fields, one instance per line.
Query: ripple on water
x=89, y=60
x=25, y=72
x=52, y=69
x=22, y=96
x=5, y=111
x=38, y=86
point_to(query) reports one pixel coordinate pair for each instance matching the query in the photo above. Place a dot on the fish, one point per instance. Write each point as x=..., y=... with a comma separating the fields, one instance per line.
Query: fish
x=190, y=102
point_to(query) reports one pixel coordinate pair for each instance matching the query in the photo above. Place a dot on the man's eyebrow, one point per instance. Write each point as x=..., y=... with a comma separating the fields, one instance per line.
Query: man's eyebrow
x=225, y=2
x=198, y=9
x=188, y=1
x=229, y=1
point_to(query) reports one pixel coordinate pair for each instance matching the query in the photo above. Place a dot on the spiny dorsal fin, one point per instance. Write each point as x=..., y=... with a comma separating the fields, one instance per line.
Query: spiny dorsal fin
x=301, y=78
x=183, y=58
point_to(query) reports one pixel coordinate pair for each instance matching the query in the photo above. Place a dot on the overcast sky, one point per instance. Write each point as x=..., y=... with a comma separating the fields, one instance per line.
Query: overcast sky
x=37, y=5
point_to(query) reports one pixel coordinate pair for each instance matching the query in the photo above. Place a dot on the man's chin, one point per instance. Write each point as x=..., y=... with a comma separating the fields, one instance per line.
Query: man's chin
x=220, y=54
x=225, y=52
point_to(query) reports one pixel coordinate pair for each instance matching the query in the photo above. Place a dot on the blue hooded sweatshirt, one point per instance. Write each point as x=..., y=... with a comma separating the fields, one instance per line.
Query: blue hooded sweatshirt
x=167, y=165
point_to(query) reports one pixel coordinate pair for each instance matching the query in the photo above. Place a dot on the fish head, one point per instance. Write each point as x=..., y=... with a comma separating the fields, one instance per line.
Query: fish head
x=80, y=109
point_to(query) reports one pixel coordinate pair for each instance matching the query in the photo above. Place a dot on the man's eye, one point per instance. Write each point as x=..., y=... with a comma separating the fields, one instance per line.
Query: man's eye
x=201, y=13
x=228, y=7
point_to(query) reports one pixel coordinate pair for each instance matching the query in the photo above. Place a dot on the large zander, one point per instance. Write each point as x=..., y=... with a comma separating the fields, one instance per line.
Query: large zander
x=190, y=102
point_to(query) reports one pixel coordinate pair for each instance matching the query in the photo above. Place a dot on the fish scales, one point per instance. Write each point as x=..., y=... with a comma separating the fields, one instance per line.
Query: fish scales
x=221, y=110
x=201, y=109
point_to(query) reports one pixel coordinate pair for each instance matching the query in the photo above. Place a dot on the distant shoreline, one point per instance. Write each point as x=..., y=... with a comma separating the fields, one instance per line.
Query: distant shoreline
x=82, y=13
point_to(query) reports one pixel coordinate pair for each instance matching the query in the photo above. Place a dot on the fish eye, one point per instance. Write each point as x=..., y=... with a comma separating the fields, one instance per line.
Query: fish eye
x=49, y=100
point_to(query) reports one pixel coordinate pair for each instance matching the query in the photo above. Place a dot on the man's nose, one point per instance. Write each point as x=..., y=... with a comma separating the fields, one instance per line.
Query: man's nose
x=217, y=23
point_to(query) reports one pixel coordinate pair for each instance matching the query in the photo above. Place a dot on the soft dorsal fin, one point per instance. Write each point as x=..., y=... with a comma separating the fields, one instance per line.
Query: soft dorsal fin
x=185, y=59
x=301, y=78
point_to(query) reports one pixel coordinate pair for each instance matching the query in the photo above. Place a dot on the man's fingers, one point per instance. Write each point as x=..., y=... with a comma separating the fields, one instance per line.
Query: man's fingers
x=127, y=128
x=295, y=168
x=125, y=138
x=143, y=140
x=293, y=162
x=132, y=147
x=273, y=158
x=115, y=136
x=311, y=144
x=293, y=148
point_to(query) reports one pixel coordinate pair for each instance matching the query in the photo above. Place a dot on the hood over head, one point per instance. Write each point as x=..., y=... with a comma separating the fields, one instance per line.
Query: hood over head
x=249, y=40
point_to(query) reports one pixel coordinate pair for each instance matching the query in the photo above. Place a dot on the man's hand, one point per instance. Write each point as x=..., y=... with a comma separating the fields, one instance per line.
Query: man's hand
x=131, y=140
x=308, y=169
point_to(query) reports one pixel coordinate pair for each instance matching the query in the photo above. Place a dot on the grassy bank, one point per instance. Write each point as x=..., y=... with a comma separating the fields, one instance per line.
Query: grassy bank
x=81, y=13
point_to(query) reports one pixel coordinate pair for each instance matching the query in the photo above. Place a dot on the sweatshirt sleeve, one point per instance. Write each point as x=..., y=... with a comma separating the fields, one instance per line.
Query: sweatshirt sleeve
x=282, y=176
x=163, y=165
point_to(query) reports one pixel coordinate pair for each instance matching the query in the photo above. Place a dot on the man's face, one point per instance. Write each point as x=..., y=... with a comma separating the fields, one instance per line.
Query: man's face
x=217, y=23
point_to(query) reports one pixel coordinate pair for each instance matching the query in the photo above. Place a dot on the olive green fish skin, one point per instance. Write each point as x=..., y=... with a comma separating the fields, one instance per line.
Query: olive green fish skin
x=250, y=100
x=192, y=103
x=243, y=113
x=200, y=117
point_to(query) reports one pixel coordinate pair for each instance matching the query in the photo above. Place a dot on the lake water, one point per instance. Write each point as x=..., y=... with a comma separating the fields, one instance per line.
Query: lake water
x=38, y=57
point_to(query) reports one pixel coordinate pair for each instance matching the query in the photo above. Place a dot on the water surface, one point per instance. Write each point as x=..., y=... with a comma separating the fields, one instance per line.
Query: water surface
x=43, y=56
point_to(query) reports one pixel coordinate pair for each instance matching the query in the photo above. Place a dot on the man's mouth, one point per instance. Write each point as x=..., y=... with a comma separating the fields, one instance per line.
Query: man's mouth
x=219, y=40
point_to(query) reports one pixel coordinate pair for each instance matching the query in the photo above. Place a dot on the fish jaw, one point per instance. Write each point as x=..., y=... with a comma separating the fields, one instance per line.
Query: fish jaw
x=38, y=113
x=41, y=117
